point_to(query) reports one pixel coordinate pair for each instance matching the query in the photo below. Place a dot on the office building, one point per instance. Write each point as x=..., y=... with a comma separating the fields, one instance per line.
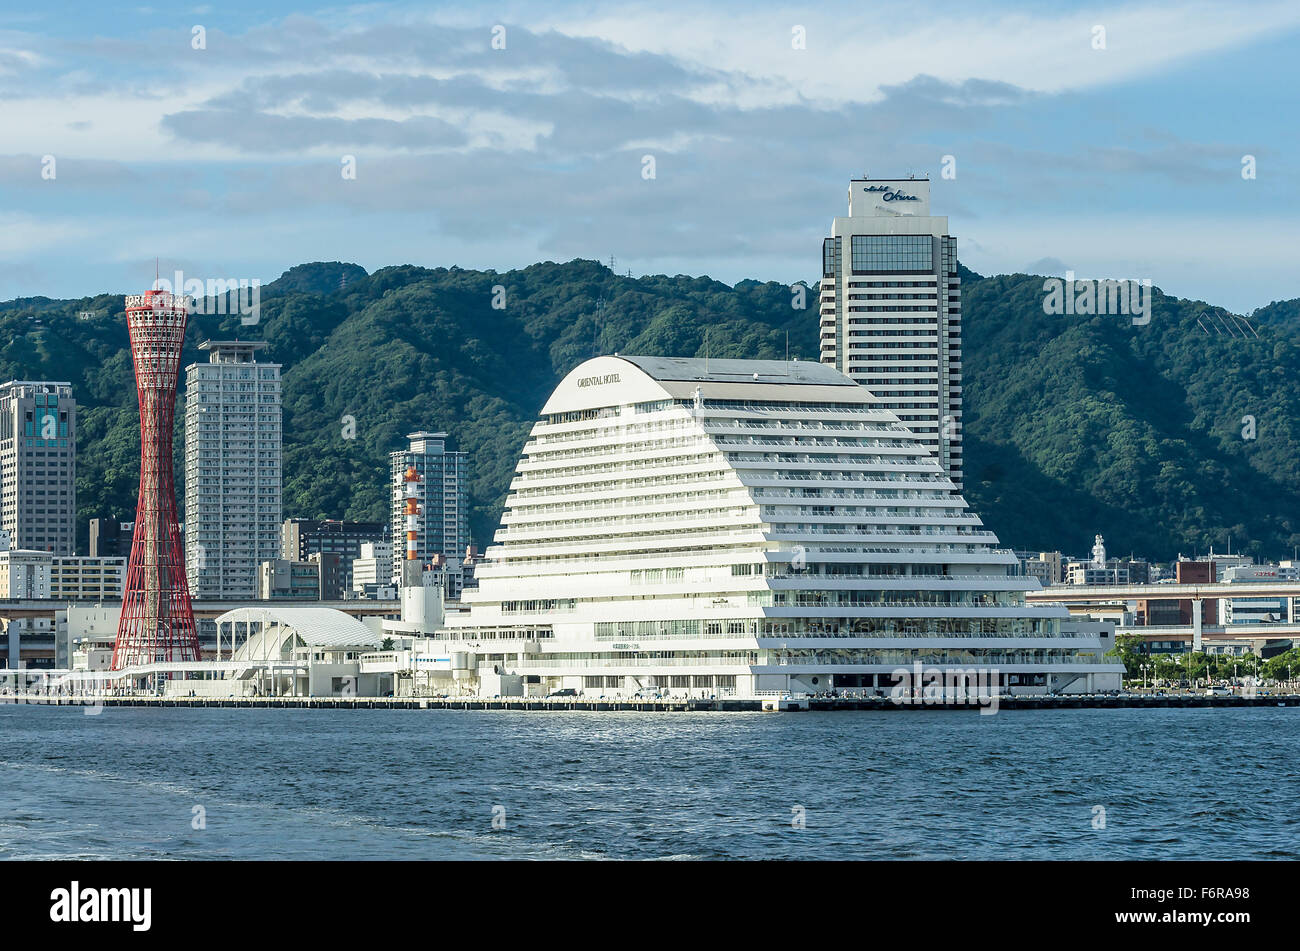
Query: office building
x=303, y=537
x=232, y=469
x=373, y=566
x=443, y=521
x=1257, y=610
x=38, y=466
x=890, y=310
x=1172, y=612
x=110, y=538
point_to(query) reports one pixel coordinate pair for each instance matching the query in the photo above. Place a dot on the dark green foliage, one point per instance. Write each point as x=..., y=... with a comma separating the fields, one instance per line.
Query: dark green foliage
x=1073, y=425
x=1078, y=425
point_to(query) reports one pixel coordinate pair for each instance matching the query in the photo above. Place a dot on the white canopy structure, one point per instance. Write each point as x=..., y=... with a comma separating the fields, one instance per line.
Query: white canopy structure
x=272, y=633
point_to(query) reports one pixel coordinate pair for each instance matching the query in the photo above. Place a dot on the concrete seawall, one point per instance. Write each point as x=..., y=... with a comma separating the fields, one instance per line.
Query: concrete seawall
x=660, y=706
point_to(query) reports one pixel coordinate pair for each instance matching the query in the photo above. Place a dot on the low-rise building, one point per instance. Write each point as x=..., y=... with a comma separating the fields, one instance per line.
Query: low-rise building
x=86, y=634
x=374, y=566
x=303, y=537
x=25, y=574
x=79, y=578
x=318, y=578
x=1043, y=565
x=1256, y=610
x=284, y=580
x=1175, y=612
x=110, y=538
x=1083, y=572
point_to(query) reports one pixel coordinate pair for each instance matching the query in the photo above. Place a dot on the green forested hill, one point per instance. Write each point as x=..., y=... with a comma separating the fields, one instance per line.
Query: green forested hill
x=1077, y=425
x=1074, y=425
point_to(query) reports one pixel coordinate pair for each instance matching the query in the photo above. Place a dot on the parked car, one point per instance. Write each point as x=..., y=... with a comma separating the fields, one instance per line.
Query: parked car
x=563, y=692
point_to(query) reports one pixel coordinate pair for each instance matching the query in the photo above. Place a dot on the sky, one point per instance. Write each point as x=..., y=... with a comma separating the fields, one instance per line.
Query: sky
x=1138, y=140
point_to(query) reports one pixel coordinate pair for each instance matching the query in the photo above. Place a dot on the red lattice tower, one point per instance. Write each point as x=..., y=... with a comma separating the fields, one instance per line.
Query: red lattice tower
x=157, y=622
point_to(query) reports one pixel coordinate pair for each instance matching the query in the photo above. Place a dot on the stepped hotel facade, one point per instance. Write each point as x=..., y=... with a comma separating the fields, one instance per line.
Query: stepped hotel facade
x=727, y=527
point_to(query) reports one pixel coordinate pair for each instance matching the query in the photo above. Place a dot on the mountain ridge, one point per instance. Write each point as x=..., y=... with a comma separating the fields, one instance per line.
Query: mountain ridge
x=1072, y=425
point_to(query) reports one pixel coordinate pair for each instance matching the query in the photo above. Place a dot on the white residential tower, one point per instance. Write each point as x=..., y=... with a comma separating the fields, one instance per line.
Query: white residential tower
x=232, y=469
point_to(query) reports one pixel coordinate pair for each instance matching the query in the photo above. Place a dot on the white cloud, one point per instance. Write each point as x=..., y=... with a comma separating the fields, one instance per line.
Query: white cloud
x=21, y=234
x=853, y=52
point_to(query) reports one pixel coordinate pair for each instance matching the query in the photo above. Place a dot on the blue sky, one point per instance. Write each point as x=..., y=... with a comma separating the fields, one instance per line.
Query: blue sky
x=225, y=161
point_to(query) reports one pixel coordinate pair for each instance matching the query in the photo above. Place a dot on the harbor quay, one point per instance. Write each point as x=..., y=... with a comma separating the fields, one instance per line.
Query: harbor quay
x=1151, y=701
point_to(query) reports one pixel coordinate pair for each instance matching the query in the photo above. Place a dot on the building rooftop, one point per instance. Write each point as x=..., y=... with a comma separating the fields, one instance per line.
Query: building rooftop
x=46, y=383
x=233, y=351
x=697, y=370
x=232, y=344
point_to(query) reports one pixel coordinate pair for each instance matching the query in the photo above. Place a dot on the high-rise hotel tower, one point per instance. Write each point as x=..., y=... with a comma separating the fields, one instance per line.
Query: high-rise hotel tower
x=891, y=310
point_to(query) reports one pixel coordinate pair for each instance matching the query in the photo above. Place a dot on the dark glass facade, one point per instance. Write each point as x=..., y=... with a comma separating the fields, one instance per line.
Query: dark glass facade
x=892, y=253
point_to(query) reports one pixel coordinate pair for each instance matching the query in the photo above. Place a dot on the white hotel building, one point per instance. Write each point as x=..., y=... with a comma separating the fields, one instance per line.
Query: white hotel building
x=734, y=527
x=891, y=310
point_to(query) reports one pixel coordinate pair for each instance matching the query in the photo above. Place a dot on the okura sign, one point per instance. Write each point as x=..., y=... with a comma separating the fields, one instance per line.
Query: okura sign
x=890, y=194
